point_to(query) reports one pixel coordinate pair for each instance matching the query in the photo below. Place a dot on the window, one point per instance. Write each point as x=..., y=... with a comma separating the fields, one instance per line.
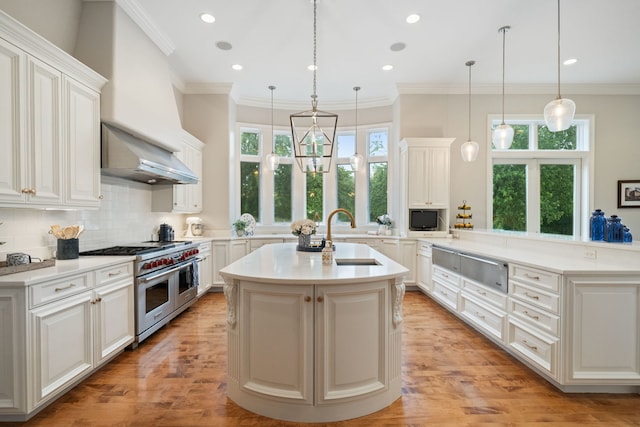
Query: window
x=540, y=184
x=278, y=197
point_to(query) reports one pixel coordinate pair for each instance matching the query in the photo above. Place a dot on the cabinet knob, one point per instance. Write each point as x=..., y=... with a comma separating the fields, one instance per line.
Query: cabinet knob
x=307, y=298
x=320, y=299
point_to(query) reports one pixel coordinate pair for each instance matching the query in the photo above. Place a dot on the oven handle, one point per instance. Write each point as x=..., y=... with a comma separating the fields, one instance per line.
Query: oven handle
x=164, y=273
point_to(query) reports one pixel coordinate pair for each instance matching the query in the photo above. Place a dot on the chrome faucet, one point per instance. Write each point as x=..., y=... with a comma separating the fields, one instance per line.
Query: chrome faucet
x=349, y=214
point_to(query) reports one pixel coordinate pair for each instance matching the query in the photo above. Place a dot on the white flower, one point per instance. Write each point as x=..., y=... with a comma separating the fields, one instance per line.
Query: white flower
x=303, y=226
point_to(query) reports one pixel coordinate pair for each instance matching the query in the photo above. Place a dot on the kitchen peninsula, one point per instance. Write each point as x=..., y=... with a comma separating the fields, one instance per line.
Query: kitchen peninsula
x=310, y=342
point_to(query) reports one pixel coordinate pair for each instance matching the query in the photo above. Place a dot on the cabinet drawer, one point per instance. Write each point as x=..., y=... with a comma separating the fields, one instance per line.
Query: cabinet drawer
x=491, y=321
x=536, y=347
x=43, y=293
x=446, y=276
x=483, y=293
x=535, y=297
x=535, y=277
x=541, y=319
x=448, y=296
x=114, y=273
x=205, y=247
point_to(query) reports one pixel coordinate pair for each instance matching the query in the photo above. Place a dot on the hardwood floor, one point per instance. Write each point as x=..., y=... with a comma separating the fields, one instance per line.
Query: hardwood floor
x=451, y=377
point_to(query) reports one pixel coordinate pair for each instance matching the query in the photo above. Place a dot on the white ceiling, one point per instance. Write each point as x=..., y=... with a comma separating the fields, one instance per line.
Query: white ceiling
x=273, y=40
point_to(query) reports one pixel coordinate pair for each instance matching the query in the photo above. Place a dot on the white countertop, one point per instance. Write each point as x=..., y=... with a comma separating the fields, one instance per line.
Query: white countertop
x=569, y=262
x=61, y=269
x=282, y=263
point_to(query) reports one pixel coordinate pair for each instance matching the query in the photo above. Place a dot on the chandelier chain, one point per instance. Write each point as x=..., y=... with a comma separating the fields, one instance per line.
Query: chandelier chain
x=504, y=32
x=559, y=50
x=314, y=97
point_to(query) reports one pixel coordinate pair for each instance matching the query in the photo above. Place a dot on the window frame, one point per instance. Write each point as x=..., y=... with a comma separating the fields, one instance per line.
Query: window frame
x=299, y=178
x=582, y=158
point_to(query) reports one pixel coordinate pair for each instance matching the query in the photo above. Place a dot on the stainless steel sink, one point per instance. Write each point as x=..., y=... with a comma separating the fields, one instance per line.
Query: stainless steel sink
x=357, y=261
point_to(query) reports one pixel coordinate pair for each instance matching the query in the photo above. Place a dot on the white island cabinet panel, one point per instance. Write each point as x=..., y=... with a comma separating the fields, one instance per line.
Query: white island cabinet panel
x=604, y=330
x=276, y=327
x=351, y=340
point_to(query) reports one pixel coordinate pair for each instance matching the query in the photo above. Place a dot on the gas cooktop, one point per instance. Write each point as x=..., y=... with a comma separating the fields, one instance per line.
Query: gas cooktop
x=136, y=248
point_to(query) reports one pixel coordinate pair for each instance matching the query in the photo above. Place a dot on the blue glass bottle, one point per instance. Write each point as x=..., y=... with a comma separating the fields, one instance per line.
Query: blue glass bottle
x=597, y=224
x=614, y=231
x=627, y=237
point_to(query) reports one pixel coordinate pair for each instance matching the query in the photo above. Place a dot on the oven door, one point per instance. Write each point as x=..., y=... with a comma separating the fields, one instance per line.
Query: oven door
x=155, y=299
x=187, y=283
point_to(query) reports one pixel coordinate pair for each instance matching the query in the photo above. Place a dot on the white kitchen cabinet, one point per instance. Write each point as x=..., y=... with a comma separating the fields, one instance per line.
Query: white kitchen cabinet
x=423, y=267
x=49, y=114
x=484, y=308
x=282, y=327
x=390, y=248
x=407, y=257
x=602, y=330
x=226, y=252
x=57, y=332
x=182, y=198
x=82, y=135
x=205, y=267
x=446, y=286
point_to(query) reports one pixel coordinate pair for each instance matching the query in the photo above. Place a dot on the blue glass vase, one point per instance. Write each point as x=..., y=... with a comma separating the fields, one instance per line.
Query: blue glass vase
x=614, y=231
x=627, y=237
x=597, y=224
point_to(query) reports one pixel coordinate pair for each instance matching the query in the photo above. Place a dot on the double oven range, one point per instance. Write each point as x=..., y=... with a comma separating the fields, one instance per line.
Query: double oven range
x=166, y=281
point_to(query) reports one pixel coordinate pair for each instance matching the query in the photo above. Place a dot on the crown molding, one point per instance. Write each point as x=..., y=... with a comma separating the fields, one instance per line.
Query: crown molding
x=518, y=89
x=146, y=24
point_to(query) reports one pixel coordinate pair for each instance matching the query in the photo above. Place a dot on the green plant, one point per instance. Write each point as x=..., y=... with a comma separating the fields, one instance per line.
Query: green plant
x=239, y=225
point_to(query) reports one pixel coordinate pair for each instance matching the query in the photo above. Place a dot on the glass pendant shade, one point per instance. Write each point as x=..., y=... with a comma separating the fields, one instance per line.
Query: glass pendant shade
x=469, y=151
x=558, y=114
x=502, y=137
x=272, y=159
x=356, y=161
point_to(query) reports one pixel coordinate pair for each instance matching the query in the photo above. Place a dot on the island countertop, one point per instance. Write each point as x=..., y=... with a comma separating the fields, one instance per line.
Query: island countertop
x=282, y=263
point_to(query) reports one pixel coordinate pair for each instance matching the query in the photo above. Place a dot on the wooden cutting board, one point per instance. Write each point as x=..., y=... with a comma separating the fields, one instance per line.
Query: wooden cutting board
x=5, y=269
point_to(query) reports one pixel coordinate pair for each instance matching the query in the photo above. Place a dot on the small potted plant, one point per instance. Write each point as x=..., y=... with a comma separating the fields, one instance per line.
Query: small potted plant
x=240, y=227
x=385, y=224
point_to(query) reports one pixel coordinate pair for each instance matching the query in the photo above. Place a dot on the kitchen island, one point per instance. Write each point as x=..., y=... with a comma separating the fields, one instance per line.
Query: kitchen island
x=309, y=342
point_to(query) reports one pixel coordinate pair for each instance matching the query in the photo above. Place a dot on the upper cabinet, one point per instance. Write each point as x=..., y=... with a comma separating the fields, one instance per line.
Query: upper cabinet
x=182, y=198
x=49, y=123
x=426, y=178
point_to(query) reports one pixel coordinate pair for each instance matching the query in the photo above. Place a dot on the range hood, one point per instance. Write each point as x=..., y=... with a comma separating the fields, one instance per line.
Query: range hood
x=127, y=156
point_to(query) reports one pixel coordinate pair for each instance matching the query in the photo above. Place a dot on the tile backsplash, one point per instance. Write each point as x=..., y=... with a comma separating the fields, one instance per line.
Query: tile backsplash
x=124, y=217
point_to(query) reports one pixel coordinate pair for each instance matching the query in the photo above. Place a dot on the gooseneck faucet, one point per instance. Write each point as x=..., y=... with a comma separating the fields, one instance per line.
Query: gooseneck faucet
x=349, y=214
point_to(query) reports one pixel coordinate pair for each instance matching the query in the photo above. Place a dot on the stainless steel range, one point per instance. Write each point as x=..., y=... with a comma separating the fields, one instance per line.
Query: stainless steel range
x=166, y=281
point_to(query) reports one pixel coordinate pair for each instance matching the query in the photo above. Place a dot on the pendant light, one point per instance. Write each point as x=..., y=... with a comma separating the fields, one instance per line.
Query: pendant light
x=558, y=114
x=314, y=131
x=272, y=159
x=356, y=159
x=469, y=149
x=503, y=134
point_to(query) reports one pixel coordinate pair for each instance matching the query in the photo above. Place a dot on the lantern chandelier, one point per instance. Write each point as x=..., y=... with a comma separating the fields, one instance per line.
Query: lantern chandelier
x=469, y=149
x=314, y=131
x=558, y=114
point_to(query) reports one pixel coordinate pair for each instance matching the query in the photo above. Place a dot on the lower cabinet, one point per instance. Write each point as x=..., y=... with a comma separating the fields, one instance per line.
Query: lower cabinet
x=423, y=268
x=205, y=268
x=74, y=324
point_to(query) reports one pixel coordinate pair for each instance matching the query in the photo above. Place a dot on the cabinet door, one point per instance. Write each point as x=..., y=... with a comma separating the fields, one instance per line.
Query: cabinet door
x=205, y=270
x=417, y=185
x=604, y=331
x=438, y=177
x=238, y=249
x=114, y=319
x=220, y=260
x=389, y=247
x=12, y=111
x=276, y=330
x=424, y=273
x=351, y=341
x=45, y=151
x=195, y=197
x=408, y=259
x=82, y=136
x=62, y=343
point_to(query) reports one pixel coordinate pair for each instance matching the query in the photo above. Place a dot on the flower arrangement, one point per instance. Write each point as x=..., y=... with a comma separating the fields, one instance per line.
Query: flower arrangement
x=303, y=226
x=240, y=226
x=384, y=220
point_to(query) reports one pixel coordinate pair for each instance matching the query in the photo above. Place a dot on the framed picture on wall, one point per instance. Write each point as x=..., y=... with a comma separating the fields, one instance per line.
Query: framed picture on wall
x=629, y=194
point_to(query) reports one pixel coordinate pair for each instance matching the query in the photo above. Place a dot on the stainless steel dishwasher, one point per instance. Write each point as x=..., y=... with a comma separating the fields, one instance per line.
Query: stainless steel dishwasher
x=487, y=271
x=446, y=258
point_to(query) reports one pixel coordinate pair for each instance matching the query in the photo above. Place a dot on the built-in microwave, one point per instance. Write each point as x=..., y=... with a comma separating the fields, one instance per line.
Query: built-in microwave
x=423, y=219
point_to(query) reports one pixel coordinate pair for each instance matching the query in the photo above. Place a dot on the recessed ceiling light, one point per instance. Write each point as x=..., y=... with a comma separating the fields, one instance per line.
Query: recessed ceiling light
x=387, y=67
x=570, y=61
x=413, y=18
x=312, y=67
x=397, y=47
x=222, y=45
x=208, y=18
x=237, y=67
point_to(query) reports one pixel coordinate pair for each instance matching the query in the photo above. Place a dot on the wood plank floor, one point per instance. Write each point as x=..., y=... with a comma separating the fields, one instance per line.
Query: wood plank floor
x=451, y=377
